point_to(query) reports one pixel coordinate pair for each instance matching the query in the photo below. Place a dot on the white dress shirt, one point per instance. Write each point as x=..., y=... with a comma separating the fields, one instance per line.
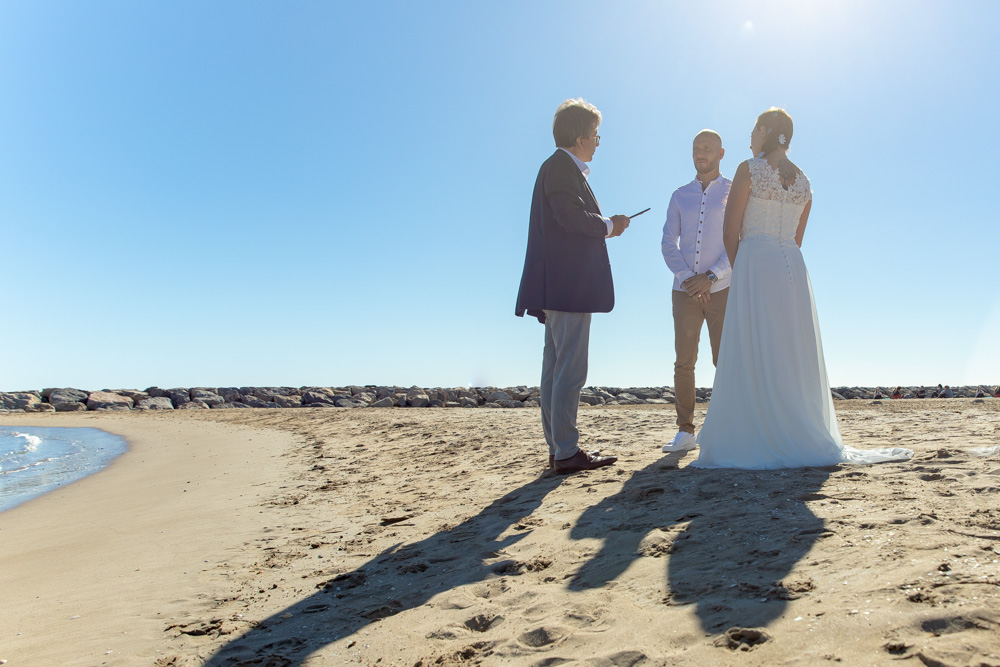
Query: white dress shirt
x=586, y=172
x=692, y=234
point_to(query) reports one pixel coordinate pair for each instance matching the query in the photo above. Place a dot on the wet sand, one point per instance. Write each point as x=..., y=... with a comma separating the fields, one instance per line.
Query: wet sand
x=421, y=536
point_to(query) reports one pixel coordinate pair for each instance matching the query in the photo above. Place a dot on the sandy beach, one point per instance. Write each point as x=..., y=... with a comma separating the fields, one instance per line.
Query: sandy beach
x=437, y=537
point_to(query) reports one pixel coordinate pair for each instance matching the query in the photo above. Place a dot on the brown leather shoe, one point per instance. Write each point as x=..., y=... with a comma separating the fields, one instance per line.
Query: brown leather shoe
x=552, y=459
x=583, y=461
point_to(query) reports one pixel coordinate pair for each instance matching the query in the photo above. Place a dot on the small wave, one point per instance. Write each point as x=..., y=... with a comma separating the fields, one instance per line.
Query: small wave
x=32, y=441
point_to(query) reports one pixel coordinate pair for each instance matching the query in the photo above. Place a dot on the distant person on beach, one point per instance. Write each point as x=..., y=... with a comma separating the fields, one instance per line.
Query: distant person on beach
x=980, y=393
x=938, y=393
x=921, y=393
x=878, y=394
x=996, y=392
x=897, y=392
x=946, y=393
x=693, y=250
x=567, y=277
x=771, y=403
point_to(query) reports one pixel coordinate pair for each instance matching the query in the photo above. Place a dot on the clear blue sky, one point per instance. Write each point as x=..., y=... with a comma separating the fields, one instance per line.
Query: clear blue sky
x=264, y=193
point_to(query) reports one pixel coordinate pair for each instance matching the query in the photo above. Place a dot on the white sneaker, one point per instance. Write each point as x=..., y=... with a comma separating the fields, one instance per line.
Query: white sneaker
x=682, y=442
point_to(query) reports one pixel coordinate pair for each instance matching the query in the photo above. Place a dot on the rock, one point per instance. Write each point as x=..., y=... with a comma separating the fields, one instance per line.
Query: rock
x=511, y=403
x=532, y=403
x=48, y=407
x=193, y=405
x=591, y=399
x=230, y=394
x=70, y=407
x=321, y=396
x=134, y=394
x=417, y=398
x=452, y=404
x=497, y=396
x=254, y=402
x=19, y=400
x=207, y=396
x=644, y=392
x=350, y=403
x=387, y=402
x=519, y=393
x=106, y=400
x=467, y=402
x=366, y=397
x=67, y=395
x=837, y=397
x=155, y=403
x=179, y=396
x=288, y=401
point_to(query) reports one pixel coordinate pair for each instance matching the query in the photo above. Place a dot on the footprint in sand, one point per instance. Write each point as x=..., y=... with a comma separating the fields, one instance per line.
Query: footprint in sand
x=952, y=640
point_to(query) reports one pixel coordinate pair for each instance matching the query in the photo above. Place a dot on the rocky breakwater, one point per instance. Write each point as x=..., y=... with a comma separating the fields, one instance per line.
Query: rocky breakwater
x=369, y=396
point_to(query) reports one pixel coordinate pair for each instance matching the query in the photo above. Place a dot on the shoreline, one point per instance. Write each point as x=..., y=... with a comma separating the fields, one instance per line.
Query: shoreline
x=105, y=562
x=437, y=537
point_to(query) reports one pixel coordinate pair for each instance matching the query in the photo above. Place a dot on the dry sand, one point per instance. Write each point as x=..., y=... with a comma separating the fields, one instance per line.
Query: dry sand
x=390, y=536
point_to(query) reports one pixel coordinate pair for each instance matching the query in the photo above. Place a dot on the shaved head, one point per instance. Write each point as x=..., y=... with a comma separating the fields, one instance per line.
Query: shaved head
x=709, y=134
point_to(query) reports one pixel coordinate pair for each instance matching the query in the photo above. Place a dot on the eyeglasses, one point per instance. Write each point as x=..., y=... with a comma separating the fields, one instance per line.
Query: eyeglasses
x=597, y=138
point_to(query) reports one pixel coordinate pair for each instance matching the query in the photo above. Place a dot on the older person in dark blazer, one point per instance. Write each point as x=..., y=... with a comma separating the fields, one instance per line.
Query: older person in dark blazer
x=567, y=277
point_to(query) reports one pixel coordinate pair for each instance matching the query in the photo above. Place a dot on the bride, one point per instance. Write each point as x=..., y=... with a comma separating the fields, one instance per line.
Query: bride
x=771, y=405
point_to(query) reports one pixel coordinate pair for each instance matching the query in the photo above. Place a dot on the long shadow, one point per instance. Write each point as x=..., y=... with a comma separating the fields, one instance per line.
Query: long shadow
x=728, y=538
x=399, y=578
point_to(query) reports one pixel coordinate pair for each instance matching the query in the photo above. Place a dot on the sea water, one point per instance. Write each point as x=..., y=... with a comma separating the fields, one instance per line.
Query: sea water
x=36, y=460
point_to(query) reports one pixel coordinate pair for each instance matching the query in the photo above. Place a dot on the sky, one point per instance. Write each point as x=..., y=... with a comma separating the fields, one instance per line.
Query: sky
x=328, y=193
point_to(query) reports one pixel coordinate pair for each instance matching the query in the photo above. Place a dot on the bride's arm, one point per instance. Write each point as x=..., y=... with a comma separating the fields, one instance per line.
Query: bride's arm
x=739, y=193
x=803, y=219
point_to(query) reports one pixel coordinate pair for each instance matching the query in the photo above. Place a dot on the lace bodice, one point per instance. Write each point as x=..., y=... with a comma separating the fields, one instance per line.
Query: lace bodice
x=772, y=210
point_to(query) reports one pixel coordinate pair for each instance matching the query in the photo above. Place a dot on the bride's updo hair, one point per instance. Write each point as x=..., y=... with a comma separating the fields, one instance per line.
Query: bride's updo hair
x=778, y=123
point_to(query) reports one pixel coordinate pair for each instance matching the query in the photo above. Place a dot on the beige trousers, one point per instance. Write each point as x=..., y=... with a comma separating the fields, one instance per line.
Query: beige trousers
x=689, y=315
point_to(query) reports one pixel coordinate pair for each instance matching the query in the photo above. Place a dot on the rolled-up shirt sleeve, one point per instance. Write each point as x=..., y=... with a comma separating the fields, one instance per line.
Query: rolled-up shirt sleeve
x=669, y=245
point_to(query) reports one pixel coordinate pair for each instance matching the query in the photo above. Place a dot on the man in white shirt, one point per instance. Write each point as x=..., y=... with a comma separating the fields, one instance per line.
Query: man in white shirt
x=693, y=250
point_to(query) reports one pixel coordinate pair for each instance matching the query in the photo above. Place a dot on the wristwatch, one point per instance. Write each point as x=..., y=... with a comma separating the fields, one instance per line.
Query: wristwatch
x=711, y=277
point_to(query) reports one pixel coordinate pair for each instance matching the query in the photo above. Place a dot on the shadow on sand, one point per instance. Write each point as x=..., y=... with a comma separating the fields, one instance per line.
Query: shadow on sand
x=398, y=579
x=728, y=538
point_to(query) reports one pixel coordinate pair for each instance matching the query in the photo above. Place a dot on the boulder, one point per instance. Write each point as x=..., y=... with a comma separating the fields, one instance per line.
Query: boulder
x=67, y=395
x=48, y=407
x=467, y=402
x=254, y=402
x=350, y=403
x=19, y=400
x=180, y=396
x=287, y=401
x=193, y=405
x=511, y=404
x=387, y=402
x=497, y=396
x=70, y=406
x=134, y=394
x=320, y=396
x=206, y=396
x=591, y=399
x=417, y=398
x=230, y=394
x=155, y=403
x=156, y=392
x=106, y=400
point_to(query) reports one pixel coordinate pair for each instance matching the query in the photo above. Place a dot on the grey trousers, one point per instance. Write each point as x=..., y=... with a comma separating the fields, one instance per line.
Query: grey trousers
x=564, y=372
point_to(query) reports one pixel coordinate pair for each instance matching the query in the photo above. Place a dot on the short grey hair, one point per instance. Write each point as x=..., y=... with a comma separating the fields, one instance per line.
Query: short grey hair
x=574, y=119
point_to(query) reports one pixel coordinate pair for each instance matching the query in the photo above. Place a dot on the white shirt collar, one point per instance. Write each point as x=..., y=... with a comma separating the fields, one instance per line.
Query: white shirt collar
x=579, y=163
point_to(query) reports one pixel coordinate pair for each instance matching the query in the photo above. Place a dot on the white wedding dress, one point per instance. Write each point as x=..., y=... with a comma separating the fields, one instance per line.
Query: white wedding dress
x=771, y=405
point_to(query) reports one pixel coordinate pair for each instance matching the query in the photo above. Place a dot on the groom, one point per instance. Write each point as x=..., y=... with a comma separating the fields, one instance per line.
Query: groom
x=567, y=277
x=693, y=250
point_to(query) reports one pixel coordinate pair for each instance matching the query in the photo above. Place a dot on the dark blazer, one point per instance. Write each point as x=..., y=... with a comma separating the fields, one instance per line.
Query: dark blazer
x=566, y=266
